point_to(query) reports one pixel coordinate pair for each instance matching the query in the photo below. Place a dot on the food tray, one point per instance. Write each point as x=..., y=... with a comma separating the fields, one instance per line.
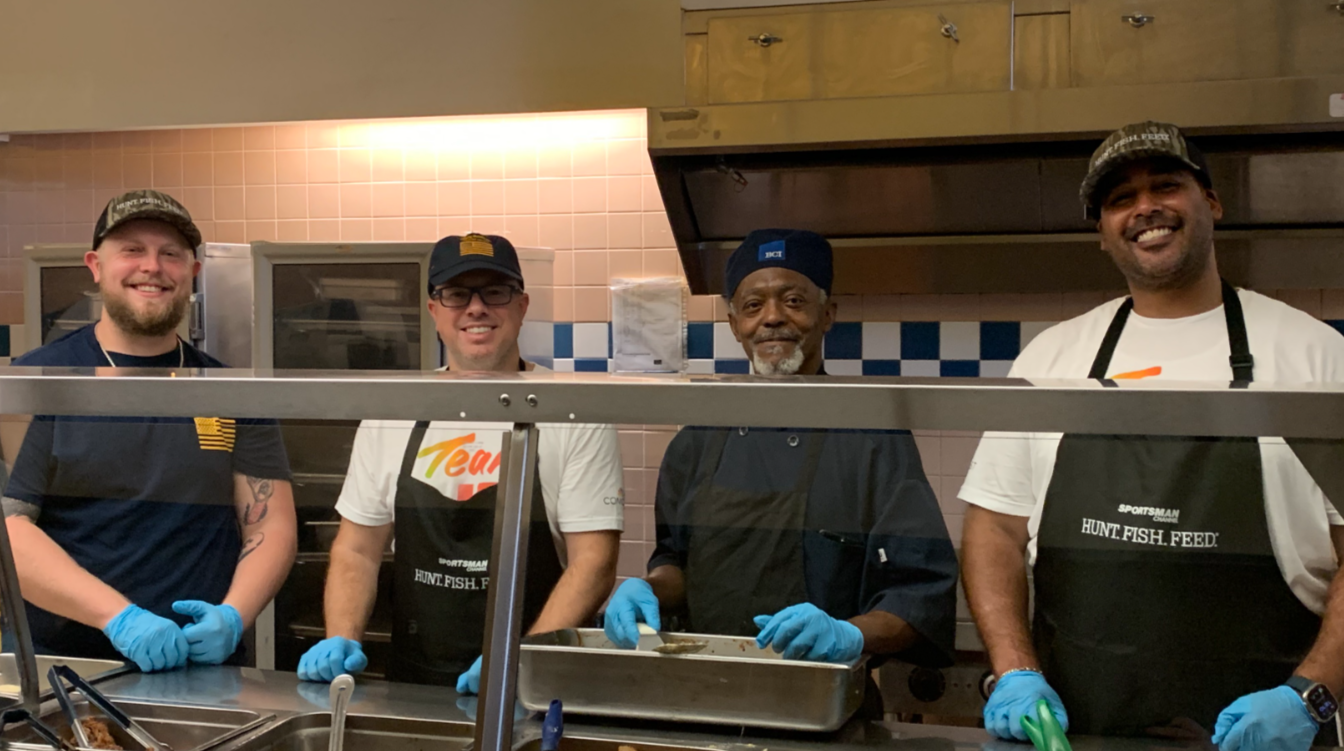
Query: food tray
x=729, y=682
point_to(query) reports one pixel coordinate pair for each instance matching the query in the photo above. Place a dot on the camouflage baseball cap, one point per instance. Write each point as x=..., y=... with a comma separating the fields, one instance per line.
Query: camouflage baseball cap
x=145, y=204
x=1146, y=140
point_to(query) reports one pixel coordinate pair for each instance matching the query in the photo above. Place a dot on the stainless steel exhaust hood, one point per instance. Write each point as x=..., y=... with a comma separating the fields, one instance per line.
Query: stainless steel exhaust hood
x=978, y=192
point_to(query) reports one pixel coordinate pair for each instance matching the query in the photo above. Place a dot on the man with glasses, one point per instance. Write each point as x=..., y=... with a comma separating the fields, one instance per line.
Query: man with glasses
x=431, y=487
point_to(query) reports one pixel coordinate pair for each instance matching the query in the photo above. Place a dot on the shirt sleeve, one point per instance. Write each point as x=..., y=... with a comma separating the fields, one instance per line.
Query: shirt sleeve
x=911, y=569
x=368, y=496
x=260, y=450
x=592, y=495
x=671, y=499
x=33, y=468
x=1000, y=477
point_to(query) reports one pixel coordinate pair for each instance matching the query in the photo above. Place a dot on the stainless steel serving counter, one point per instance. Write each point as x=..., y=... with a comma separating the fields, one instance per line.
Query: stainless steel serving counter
x=282, y=694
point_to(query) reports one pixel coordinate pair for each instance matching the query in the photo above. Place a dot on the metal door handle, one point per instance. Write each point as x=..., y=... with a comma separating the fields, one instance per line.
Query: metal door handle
x=949, y=29
x=764, y=39
x=1139, y=20
x=1338, y=7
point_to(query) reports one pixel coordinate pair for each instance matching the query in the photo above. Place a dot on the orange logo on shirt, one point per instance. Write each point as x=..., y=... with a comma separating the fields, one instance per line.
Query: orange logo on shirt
x=456, y=461
x=1135, y=375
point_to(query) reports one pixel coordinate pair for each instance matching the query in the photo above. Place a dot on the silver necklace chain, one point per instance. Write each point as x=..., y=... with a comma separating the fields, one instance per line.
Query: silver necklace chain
x=181, y=353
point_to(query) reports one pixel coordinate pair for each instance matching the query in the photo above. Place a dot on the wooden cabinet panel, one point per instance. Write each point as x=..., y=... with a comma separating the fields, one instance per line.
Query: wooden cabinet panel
x=904, y=51
x=741, y=70
x=875, y=52
x=1203, y=40
x=1041, y=51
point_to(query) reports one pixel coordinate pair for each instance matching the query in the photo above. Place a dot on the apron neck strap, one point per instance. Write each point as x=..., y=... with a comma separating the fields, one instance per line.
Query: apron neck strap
x=1241, y=360
x=413, y=448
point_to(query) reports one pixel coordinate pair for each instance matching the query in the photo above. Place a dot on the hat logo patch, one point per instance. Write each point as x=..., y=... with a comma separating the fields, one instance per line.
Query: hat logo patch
x=476, y=245
x=771, y=251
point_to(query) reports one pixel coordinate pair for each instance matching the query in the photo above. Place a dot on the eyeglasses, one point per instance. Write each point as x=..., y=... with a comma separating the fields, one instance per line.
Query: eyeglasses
x=493, y=295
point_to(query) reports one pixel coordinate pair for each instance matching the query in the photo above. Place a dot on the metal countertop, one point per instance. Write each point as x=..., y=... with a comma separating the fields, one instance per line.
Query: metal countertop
x=284, y=694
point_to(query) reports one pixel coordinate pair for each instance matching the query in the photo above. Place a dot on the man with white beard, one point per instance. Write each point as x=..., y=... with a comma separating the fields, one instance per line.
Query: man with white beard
x=154, y=539
x=829, y=543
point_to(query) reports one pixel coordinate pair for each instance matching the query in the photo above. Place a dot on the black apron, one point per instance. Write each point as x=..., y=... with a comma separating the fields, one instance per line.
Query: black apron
x=746, y=547
x=1158, y=595
x=440, y=575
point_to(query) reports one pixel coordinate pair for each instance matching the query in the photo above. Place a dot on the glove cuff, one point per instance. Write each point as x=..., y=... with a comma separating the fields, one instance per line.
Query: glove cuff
x=128, y=612
x=235, y=620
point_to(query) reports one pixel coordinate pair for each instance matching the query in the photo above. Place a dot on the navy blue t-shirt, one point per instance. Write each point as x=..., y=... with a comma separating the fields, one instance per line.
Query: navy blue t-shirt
x=146, y=504
x=873, y=537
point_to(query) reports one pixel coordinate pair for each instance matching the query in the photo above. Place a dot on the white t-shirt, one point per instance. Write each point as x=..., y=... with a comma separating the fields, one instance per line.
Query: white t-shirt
x=578, y=465
x=1011, y=471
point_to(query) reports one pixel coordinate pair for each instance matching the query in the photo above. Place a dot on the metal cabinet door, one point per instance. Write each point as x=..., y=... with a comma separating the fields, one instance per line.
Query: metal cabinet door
x=762, y=58
x=1123, y=42
x=933, y=49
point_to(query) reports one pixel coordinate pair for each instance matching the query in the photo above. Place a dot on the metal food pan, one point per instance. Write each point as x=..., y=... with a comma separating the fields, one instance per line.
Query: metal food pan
x=729, y=682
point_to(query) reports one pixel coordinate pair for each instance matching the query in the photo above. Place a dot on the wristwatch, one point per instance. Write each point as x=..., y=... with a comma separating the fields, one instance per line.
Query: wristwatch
x=1321, y=704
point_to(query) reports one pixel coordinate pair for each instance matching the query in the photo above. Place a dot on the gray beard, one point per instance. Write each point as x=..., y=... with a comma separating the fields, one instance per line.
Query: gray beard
x=788, y=366
x=152, y=326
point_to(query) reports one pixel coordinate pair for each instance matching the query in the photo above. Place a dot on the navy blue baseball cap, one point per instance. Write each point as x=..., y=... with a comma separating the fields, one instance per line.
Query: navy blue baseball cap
x=458, y=254
x=795, y=249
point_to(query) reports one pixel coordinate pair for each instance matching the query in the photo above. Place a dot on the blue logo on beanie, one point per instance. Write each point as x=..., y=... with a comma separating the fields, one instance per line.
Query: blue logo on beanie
x=771, y=251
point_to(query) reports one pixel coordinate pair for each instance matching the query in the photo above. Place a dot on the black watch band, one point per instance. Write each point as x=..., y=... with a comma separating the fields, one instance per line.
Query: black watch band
x=1321, y=703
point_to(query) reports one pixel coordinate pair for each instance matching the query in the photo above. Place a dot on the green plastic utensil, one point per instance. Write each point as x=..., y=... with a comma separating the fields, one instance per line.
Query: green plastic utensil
x=1045, y=732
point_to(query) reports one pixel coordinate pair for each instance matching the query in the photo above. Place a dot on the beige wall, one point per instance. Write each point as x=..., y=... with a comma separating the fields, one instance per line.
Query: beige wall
x=91, y=64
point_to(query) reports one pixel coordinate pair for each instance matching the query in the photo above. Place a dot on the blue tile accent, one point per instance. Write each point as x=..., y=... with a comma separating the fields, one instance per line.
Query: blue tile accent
x=1000, y=340
x=700, y=341
x=919, y=340
x=959, y=368
x=4, y=340
x=590, y=366
x=564, y=340
x=1338, y=326
x=844, y=341
x=881, y=367
x=739, y=367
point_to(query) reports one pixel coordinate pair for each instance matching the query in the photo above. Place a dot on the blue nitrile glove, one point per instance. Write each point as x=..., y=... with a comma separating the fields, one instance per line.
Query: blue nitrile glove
x=633, y=602
x=1015, y=695
x=215, y=633
x=469, y=683
x=805, y=632
x=150, y=641
x=331, y=657
x=1273, y=720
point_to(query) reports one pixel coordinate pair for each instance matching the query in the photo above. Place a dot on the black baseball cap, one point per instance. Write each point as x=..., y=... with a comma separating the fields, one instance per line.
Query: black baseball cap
x=1132, y=143
x=146, y=204
x=796, y=249
x=458, y=254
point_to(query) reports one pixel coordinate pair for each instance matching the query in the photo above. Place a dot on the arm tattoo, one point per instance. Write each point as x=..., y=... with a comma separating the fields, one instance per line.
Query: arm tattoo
x=251, y=544
x=262, y=491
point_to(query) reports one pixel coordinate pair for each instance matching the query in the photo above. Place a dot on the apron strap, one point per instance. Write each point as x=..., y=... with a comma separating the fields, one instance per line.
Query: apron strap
x=413, y=448
x=1241, y=360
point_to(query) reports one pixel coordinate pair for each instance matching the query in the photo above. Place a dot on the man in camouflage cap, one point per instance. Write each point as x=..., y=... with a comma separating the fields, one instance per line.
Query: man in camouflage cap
x=158, y=540
x=1183, y=585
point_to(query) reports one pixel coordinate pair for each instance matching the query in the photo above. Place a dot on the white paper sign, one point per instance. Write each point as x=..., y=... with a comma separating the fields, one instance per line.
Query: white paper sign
x=1337, y=105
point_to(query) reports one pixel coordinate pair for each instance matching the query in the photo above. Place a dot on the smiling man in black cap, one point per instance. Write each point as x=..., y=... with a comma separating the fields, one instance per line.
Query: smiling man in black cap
x=167, y=534
x=1183, y=584
x=825, y=545
x=430, y=487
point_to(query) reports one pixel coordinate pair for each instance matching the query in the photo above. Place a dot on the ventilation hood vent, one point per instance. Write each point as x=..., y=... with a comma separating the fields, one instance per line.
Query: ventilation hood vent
x=979, y=193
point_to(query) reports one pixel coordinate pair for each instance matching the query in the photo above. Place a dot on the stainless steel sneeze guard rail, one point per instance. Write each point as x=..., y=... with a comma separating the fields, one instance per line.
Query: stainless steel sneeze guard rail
x=1212, y=409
